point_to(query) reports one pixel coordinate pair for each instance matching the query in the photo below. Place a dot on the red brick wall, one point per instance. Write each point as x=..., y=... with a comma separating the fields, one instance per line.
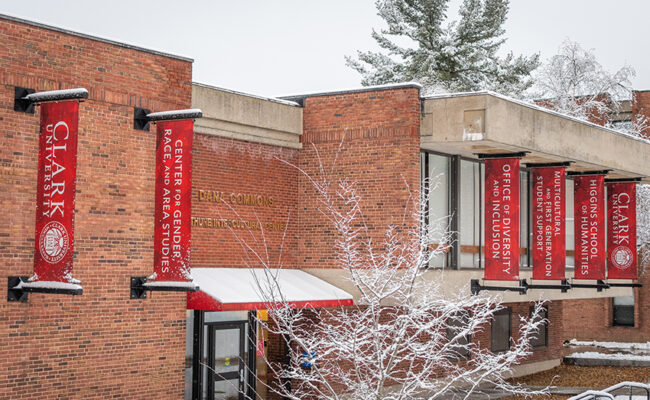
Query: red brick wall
x=591, y=319
x=100, y=344
x=235, y=169
x=555, y=329
x=374, y=137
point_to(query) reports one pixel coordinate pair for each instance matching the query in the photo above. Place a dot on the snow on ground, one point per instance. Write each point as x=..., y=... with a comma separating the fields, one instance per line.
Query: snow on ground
x=610, y=345
x=610, y=356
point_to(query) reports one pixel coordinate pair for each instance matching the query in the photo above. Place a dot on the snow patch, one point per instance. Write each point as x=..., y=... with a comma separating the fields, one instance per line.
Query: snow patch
x=176, y=114
x=49, y=285
x=610, y=345
x=176, y=284
x=611, y=356
x=66, y=94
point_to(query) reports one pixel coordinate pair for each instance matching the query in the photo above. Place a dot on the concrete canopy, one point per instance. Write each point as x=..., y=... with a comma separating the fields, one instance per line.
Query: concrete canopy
x=486, y=122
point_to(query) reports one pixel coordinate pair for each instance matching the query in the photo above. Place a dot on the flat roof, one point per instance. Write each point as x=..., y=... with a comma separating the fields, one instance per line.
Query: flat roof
x=254, y=96
x=486, y=122
x=299, y=97
x=91, y=37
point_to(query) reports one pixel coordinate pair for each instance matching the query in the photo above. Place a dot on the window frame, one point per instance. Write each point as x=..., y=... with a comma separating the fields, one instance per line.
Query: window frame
x=538, y=346
x=504, y=311
x=633, y=309
x=454, y=182
x=462, y=319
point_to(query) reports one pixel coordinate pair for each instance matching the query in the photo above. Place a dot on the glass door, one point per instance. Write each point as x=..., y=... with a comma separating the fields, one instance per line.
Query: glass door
x=227, y=360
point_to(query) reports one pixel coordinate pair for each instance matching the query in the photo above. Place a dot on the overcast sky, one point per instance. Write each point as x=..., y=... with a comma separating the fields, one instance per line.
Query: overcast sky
x=283, y=47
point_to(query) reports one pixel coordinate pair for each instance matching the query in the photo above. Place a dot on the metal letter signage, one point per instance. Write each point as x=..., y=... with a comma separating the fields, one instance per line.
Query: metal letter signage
x=173, y=200
x=548, y=212
x=621, y=230
x=589, y=222
x=502, y=219
x=55, y=193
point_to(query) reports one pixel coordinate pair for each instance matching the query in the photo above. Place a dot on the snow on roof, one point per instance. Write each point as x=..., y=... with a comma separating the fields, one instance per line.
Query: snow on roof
x=534, y=107
x=273, y=99
x=48, y=285
x=240, y=285
x=53, y=95
x=170, y=284
x=191, y=113
x=354, y=90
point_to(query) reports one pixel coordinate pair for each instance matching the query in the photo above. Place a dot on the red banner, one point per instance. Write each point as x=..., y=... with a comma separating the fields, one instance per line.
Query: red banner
x=621, y=230
x=173, y=200
x=589, y=222
x=548, y=212
x=55, y=193
x=502, y=219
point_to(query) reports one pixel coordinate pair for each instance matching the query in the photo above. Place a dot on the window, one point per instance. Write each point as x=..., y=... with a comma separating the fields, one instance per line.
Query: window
x=457, y=202
x=540, y=339
x=471, y=214
x=569, y=227
x=623, y=308
x=435, y=178
x=500, y=330
x=524, y=217
x=459, y=349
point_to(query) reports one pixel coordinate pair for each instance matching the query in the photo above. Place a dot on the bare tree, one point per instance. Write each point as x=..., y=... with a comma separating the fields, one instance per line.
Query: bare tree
x=643, y=224
x=407, y=337
x=574, y=83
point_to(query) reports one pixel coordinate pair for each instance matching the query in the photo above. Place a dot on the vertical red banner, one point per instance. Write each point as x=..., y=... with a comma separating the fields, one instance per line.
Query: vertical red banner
x=621, y=230
x=589, y=222
x=548, y=223
x=55, y=193
x=173, y=200
x=502, y=219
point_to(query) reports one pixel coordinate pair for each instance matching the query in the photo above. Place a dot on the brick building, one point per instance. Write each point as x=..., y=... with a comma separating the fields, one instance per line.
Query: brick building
x=106, y=344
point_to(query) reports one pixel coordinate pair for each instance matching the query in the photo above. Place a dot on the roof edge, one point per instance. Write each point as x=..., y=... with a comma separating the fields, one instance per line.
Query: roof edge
x=534, y=107
x=96, y=38
x=254, y=96
x=401, y=85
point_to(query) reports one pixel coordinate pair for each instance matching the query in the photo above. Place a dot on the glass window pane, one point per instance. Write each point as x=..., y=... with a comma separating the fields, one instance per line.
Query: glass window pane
x=460, y=348
x=540, y=338
x=523, y=219
x=438, y=174
x=470, y=214
x=500, y=330
x=623, y=311
x=569, y=224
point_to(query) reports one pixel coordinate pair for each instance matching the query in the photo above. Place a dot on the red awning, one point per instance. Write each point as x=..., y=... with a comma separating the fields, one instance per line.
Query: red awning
x=229, y=289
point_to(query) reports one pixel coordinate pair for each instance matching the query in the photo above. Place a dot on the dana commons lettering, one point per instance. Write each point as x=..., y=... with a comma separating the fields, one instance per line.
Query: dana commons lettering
x=240, y=199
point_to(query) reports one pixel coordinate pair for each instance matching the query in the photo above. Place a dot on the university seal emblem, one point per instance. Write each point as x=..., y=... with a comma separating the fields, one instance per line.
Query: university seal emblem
x=54, y=242
x=622, y=257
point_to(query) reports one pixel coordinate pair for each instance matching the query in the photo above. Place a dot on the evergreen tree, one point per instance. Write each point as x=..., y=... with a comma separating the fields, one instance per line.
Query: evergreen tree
x=443, y=57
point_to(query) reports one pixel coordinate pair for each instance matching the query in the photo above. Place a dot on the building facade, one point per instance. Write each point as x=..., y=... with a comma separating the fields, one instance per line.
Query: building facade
x=249, y=155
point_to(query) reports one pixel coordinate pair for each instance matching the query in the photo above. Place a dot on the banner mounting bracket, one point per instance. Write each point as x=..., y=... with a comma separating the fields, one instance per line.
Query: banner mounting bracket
x=599, y=285
x=476, y=288
x=564, y=286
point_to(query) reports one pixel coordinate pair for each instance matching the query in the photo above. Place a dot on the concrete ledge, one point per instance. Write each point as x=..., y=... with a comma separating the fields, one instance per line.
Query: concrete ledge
x=485, y=122
x=452, y=282
x=535, y=367
x=248, y=118
x=594, y=362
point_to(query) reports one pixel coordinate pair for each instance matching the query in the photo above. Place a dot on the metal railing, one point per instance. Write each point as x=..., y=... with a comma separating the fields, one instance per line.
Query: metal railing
x=607, y=393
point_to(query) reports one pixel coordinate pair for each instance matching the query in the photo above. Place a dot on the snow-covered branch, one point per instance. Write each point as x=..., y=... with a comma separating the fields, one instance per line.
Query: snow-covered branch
x=405, y=338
